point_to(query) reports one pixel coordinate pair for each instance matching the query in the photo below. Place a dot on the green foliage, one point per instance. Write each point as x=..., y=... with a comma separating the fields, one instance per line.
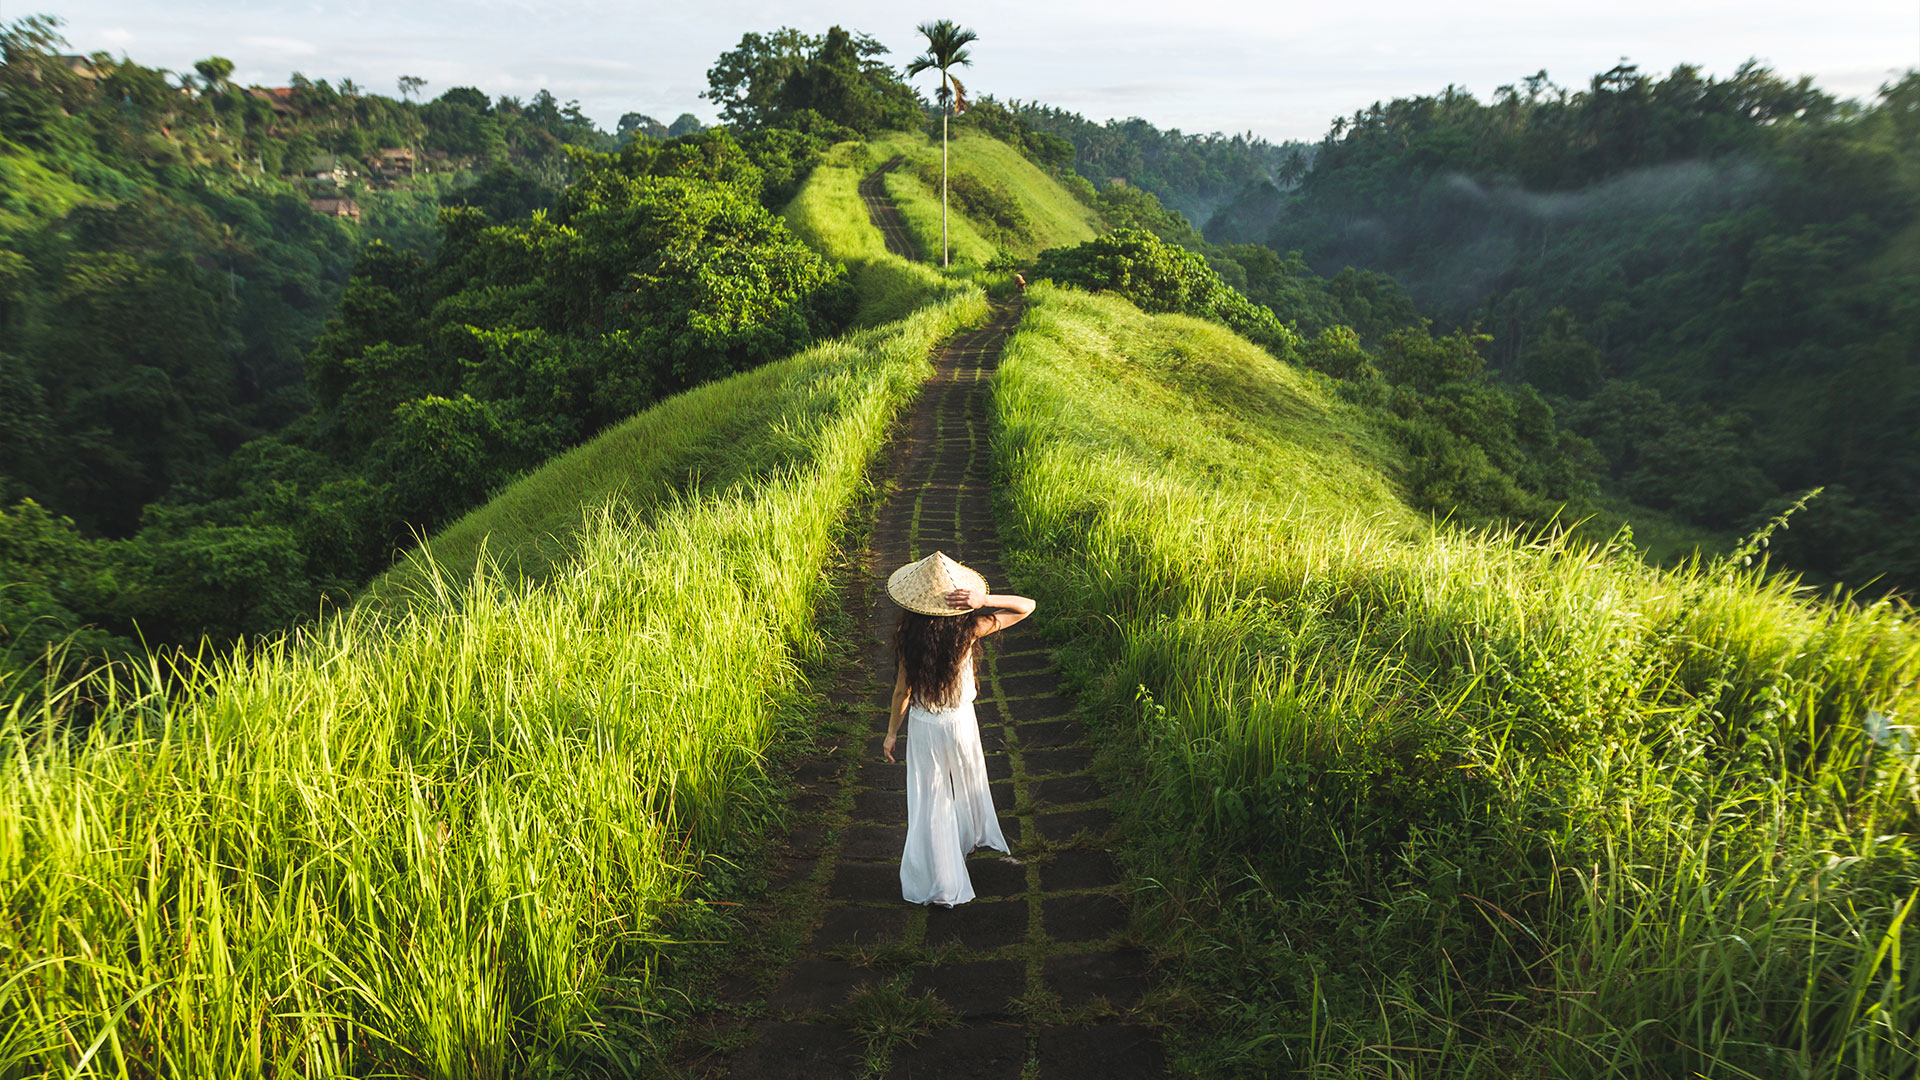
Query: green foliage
x=991, y=118
x=1738, y=243
x=1476, y=447
x=1412, y=800
x=1193, y=174
x=158, y=314
x=1159, y=277
x=826, y=85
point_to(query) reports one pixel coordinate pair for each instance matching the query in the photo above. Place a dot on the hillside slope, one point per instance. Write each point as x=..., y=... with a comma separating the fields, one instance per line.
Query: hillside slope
x=439, y=834
x=1419, y=801
x=997, y=199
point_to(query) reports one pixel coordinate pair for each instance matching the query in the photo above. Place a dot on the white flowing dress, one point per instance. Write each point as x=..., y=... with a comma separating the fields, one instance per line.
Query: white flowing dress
x=949, y=809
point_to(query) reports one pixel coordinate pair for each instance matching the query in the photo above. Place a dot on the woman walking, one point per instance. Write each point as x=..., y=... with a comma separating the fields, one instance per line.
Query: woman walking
x=946, y=611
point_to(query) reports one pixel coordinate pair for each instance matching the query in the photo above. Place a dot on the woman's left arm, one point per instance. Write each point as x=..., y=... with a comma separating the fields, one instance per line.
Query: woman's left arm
x=898, y=712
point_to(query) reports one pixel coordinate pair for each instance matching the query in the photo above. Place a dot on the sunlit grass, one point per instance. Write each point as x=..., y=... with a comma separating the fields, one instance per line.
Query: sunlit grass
x=1054, y=218
x=828, y=215
x=1424, y=802
x=438, y=836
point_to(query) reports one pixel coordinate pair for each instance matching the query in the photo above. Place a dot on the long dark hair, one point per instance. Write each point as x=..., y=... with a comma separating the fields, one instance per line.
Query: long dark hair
x=931, y=649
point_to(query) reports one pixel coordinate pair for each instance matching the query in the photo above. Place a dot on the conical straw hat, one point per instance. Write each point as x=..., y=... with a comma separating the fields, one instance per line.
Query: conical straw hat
x=923, y=586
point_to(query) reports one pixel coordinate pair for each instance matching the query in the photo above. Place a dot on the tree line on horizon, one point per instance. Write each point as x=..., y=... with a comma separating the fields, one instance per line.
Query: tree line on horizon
x=221, y=410
x=1711, y=279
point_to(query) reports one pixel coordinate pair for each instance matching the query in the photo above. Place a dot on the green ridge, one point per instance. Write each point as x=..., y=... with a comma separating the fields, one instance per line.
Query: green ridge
x=1467, y=803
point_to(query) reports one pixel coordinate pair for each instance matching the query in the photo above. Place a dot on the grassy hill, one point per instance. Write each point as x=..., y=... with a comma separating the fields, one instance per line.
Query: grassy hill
x=1412, y=800
x=1402, y=798
x=997, y=199
x=439, y=834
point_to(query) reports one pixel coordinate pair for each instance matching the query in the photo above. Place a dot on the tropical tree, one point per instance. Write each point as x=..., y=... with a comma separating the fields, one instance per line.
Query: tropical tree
x=410, y=85
x=214, y=72
x=946, y=50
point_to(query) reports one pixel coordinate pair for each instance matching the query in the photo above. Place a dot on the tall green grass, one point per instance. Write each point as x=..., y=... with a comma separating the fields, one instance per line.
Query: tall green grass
x=1423, y=802
x=438, y=838
x=828, y=215
x=1049, y=215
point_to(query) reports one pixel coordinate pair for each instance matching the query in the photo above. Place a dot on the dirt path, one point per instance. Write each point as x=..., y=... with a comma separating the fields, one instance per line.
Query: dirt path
x=1036, y=978
x=886, y=216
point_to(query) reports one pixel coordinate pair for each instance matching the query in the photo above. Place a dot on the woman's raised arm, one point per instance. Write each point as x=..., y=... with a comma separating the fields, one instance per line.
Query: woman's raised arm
x=1011, y=608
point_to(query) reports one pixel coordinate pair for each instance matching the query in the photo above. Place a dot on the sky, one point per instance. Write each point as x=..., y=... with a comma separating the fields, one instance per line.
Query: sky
x=1280, y=71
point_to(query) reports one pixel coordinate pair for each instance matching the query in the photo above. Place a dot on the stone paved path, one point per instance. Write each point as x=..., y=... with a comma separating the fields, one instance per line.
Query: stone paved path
x=886, y=216
x=1035, y=974
x=1033, y=979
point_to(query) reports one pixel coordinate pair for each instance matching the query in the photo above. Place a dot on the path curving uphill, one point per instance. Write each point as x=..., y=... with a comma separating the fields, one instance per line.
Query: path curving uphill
x=884, y=214
x=1036, y=977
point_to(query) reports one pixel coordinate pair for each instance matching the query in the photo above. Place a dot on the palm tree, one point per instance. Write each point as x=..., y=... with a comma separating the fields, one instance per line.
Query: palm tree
x=946, y=49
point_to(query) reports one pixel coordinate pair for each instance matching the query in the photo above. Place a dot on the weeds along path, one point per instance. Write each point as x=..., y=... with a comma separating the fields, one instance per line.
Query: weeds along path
x=885, y=215
x=1036, y=977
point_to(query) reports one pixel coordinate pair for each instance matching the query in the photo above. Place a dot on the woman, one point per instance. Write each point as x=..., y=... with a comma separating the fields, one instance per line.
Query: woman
x=947, y=610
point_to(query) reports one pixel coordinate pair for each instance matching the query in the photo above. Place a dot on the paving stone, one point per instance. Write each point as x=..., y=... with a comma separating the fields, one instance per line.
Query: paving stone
x=814, y=985
x=981, y=988
x=873, y=842
x=792, y=1051
x=1066, y=824
x=883, y=806
x=1010, y=828
x=1029, y=685
x=812, y=803
x=1002, y=795
x=818, y=771
x=805, y=840
x=985, y=1052
x=1065, y=790
x=1022, y=665
x=1106, y=1052
x=1080, y=868
x=995, y=875
x=999, y=767
x=982, y=924
x=1044, y=707
x=1082, y=918
x=987, y=712
x=862, y=925
x=1119, y=976
x=866, y=882
x=1071, y=759
x=884, y=776
x=786, y=873
x=1051, y=733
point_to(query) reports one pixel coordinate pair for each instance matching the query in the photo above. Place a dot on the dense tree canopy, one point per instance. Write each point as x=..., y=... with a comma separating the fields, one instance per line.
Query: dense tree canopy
x=825, y=84
x=219, y=403
x=1740, y=250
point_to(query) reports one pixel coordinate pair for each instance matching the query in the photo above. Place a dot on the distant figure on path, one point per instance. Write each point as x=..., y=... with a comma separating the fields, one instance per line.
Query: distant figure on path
x=946, y=610
x=1020, y=280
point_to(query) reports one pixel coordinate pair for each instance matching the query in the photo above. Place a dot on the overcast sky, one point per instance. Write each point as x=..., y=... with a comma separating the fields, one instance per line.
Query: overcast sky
x=1279, y=70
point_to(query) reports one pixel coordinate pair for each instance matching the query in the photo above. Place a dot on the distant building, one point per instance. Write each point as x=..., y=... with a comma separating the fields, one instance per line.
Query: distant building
x=280, y=97
x=336, y=207
x=393, y=162
x=324, y=166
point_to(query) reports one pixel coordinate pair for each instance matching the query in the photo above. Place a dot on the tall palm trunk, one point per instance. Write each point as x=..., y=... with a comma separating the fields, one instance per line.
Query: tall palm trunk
x=945, y=260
